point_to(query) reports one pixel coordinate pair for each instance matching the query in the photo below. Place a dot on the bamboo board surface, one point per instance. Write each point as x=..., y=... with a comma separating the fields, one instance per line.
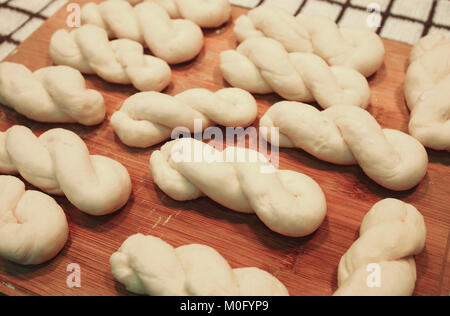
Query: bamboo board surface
x=307, y=266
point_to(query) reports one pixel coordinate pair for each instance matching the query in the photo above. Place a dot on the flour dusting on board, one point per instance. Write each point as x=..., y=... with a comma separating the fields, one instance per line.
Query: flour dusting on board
x=9, y=285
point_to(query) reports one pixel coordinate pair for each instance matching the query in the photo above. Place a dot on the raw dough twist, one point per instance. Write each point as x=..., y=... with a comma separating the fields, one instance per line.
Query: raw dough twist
x=89, y=50
x=347, y=136
x=33, y=227
x=427, y=89
x=391, y=234
x=262, y=65
x=204, y=13
x=175, y=41
x=148, y=265
x=288, y=202
x=148, y=118
x=50, y=95
x=360, y=50
x=58, y=162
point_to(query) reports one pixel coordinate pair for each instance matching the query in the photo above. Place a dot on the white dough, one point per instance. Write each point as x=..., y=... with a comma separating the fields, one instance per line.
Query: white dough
x=204, y=13
x=50, y=95
x=360, y=50
x=148, y=265
x=33, y=227
x=262, y=65
x=122, y=61
x=288, y=202
x=391, y=234
x=350, y=135
x=174, y=41
x=58, y=162
x=148, y=118
x=427, y=90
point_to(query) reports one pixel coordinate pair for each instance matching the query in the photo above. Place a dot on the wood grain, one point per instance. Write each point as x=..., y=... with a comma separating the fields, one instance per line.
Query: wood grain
x=307, y=266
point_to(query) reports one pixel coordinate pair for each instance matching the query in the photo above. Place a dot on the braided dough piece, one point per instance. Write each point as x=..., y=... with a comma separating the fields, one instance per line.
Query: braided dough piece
x=288, y=202
x=360, y=50
x=262, y=65
x=175, y=41
x=204, y=13
x=58, y=162
x=391, y=234
x=148, y=265
x=50, y=95
x=348, y=136
x=427, y=90
x=148, y=118
x=33, y=227
x=89, y=50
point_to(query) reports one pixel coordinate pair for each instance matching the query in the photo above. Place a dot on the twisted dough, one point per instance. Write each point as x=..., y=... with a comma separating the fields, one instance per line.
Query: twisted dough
x=347, y=136
x=148, y=118
x=391, y=234
x=58, y=162
x=204, y=13
x=33, y=227
x=121, y=61
x=360, y=50
x=288, y=202
x=262, y=65
x=148, y=265
x=51, y=95
x=427, y=90
x=175, y=41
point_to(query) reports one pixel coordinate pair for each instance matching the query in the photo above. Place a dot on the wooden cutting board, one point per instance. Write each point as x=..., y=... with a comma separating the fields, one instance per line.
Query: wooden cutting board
x=307, y=266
